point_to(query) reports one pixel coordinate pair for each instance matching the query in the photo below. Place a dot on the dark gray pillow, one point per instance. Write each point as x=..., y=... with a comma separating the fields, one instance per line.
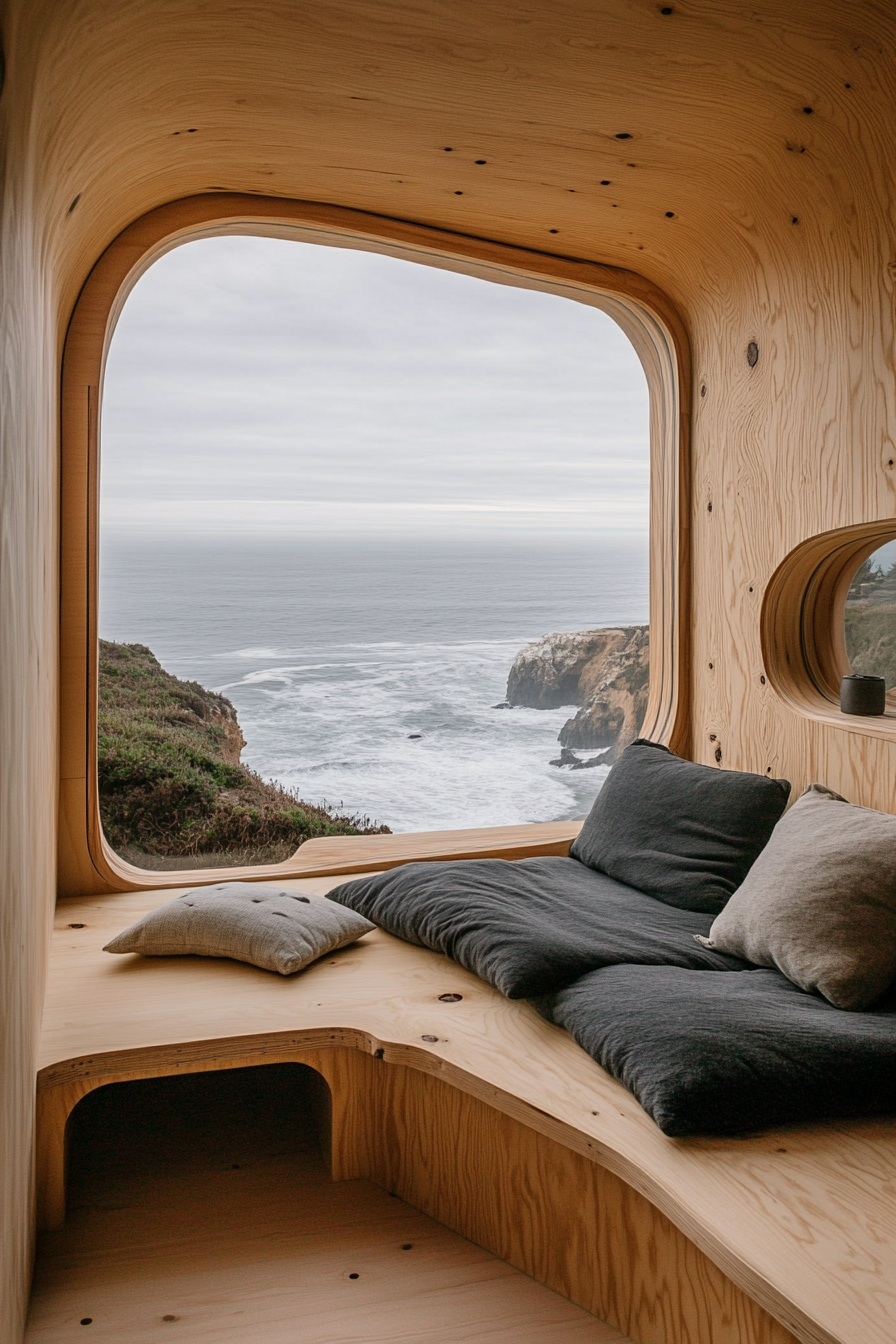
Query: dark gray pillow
x=820, y=901
x=686, y=834
x=271, y=927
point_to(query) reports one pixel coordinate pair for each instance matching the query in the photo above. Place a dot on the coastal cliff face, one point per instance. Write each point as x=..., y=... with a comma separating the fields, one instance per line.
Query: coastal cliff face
x=604, y=672
x=172, y=791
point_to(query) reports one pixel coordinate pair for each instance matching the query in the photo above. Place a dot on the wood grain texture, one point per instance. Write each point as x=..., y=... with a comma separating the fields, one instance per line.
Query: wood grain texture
x=87, y=863
x=564, y=1219
x=207, y=1213
x=760, y=221
x=801, y=1221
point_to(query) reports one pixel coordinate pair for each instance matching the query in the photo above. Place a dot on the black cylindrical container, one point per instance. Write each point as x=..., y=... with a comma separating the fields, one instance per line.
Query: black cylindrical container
x=863, y=695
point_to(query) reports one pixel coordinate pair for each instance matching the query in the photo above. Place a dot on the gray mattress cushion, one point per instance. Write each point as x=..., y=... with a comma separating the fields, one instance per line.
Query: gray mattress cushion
x=530, y=926
x=726, y=1054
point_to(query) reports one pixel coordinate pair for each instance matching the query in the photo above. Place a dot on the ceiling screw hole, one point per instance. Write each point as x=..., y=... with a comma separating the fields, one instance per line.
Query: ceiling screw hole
x=450, y=998
x=703, y=389
x=554, y=230
x=762, y=681
x=808, y=111
x=623, y=135
x=354, y=1276
x=752, y=354
x=448, y=149
x=709, y=507
x=710, y=667
x=605, y=182
x=670, y=214
x=432, y=1039
x=480, y=161
x=76, y=926
x=408, y=1246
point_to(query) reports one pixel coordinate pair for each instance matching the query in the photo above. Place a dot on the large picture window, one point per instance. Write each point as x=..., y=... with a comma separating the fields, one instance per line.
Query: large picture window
x=340, y=494
x=319, y=520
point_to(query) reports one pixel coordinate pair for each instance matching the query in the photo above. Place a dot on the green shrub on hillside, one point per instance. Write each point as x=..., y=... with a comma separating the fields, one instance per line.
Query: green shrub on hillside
x=172, y=791
x=871, y=639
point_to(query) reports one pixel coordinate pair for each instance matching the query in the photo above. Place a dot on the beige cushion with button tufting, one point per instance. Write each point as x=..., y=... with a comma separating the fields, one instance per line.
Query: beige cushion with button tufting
x=267, y=926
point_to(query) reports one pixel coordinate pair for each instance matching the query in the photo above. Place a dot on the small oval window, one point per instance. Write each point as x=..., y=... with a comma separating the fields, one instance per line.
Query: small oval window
x=870, y=616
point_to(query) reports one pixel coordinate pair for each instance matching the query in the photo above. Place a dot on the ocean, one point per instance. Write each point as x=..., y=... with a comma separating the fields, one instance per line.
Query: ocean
x=338, y=653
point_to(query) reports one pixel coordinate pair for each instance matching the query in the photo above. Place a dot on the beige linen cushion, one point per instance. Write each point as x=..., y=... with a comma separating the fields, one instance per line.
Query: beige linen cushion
x=820, y=901
x=269, y=927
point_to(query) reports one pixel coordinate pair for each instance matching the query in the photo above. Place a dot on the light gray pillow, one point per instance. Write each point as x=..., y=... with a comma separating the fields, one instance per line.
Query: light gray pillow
x=270, y=927
x=819, y=903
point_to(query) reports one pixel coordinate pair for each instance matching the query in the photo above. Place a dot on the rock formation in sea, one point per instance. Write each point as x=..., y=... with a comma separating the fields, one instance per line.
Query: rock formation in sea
x=604, y=672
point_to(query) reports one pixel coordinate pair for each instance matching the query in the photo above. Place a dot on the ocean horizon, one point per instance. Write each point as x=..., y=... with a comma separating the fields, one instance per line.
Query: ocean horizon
x=365, y=671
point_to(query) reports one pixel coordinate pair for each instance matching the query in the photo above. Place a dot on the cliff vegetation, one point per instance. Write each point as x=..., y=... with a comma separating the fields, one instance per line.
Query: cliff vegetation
x=870, y=622
x=172, y=791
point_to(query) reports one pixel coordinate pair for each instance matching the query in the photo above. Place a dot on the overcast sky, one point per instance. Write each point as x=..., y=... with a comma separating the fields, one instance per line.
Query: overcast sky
x=262, y=385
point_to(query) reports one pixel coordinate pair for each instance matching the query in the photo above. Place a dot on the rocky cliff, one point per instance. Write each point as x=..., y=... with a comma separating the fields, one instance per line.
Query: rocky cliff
x=173, y=793
x=604, y=672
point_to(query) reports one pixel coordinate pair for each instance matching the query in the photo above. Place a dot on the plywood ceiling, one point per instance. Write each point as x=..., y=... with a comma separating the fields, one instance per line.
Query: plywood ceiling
x=500, y=120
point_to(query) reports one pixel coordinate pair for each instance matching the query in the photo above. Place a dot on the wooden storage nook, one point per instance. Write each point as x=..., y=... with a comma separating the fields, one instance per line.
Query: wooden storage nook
x=718, y=179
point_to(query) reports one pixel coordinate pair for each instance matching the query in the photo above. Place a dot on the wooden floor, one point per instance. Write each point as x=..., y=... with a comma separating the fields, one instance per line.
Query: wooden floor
x=200, y=1210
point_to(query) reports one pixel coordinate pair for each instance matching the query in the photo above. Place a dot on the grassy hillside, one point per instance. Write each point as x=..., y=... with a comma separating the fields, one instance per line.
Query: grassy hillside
x=172, y=791
x=871, y=639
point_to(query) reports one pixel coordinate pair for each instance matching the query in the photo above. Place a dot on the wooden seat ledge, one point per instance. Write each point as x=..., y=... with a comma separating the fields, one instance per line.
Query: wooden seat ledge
x=342, y=855
x=802, y=1219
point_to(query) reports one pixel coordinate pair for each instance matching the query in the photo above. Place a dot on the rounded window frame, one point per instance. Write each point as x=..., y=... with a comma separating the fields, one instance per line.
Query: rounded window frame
x=803, y=626
x=87, y=863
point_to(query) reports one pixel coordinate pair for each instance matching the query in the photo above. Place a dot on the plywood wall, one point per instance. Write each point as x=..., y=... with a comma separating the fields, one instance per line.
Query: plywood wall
x=763, y=221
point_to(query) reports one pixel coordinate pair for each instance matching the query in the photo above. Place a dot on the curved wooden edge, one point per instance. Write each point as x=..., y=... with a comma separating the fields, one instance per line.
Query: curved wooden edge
x=342, y=855
x=62, y=1086
x=87, y=863
x=801, y=624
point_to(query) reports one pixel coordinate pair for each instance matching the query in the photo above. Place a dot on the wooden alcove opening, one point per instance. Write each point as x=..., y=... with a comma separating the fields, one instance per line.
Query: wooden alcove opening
x=203, y=1202
x=802, y=624
x=87, y=863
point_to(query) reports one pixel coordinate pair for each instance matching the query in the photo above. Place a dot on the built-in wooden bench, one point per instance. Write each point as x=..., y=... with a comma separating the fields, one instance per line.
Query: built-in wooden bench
x=494, y=1122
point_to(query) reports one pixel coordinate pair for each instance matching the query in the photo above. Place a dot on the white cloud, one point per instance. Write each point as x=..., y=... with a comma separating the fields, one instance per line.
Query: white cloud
x=263, y=384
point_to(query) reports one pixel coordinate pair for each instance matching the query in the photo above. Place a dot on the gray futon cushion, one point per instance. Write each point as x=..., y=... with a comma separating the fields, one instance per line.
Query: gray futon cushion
x=820, y=901
x=686, y=834
x=724, y=1054
x=531, y=926
x=270, y=927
